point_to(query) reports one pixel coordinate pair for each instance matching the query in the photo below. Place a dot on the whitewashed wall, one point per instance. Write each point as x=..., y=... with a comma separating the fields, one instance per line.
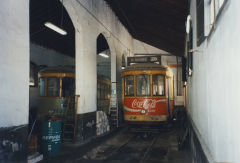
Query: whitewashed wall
x=14, y=62
x=90, y=18
x=213, y=102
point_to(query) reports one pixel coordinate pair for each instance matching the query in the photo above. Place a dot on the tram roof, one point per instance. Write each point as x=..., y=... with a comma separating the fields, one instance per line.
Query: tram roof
x=58, y=69
x=145, y=66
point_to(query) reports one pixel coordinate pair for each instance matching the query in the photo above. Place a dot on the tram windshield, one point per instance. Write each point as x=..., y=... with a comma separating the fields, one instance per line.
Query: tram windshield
x=158, y=85
x=42, y=86
x=53, y=86
x=129, y=86
x=143, y=85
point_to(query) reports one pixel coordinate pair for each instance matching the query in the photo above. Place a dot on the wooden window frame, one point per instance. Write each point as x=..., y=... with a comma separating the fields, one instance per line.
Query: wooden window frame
x=217, y=12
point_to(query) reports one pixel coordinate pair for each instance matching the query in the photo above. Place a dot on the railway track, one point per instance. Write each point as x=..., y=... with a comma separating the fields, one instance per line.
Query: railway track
x=108, y=157
x=135, y=149
x=147, y=152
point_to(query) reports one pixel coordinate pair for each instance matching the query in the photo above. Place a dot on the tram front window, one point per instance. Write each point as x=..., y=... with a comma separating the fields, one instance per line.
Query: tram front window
x=129, y=86
x=53, y=87
x=143, y=86
x=68, y=86
x=42, y=86
x=158, y=85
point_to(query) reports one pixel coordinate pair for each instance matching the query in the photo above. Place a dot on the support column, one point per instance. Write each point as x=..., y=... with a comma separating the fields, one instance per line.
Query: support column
x=14, y=79
x=86, y=84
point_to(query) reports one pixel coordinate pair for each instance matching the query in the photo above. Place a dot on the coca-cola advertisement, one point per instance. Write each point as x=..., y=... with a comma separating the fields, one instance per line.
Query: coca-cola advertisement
x=152, y=106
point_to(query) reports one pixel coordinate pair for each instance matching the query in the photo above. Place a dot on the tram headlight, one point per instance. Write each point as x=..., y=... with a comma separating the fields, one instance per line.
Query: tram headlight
x=143, y=111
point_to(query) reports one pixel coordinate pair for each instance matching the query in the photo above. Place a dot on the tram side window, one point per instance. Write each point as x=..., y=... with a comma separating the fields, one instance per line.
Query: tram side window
x=98, y=91
x=143, y=85
x=129, y=86
x=42, y=86
x=68, y=87
x=102, y=92
x=106, y=92
x=53, y=87
x=109, y=91
x=158, y=85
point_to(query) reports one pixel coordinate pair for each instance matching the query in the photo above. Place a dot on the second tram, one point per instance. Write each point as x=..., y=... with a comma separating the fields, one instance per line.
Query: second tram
x=57, y=85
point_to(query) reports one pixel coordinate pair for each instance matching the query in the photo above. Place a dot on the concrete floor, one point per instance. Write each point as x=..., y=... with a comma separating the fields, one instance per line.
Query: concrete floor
x=128, y=147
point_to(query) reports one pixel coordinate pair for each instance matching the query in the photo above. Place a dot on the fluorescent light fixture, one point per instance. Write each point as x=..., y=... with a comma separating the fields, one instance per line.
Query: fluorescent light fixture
x=31, y=83
x=188, y=24
x=104, y=55
x=55, y=28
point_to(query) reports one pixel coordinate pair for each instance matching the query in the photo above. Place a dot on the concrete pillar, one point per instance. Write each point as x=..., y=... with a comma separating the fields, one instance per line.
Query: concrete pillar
x=14, y=79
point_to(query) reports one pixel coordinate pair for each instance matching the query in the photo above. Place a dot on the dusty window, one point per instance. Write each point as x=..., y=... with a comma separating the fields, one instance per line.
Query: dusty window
x=215, y=8
x=219, y=5
x=129, y=86
x=200, y=21
x=98, y=90
x=102, y=91
x=53, y=86
x=42, y=86
x=158, y=85
x=143, y=85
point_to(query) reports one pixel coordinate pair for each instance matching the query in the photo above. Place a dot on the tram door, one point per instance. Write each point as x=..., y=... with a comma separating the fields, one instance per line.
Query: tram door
x=168, y=96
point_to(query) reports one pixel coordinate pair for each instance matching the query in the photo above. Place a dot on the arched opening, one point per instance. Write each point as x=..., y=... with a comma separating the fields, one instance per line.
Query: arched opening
x=103, y=57
x=103, y=83
x=52, y=51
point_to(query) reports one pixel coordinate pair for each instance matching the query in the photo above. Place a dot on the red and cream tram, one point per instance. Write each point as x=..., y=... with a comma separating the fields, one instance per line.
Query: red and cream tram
x=147, y=93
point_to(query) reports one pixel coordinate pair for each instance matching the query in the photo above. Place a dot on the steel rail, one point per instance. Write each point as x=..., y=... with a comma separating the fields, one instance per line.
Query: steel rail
x=119, y=148
x=146, y=154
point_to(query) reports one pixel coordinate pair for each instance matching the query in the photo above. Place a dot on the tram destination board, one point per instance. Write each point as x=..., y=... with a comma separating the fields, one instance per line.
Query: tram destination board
x=144, y=59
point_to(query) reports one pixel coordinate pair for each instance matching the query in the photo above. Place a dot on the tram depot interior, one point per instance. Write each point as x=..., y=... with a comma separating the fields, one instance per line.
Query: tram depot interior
x=74, y=73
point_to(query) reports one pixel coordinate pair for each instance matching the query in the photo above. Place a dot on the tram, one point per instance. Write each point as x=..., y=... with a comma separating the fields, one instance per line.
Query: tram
x=147, y=93
x=56, y=85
